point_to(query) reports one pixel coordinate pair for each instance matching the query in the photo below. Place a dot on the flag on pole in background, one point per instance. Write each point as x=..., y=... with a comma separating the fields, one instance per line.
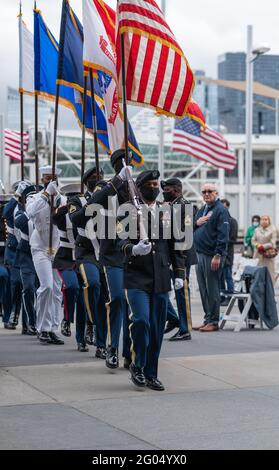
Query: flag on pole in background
x=12, y=144
x=46, y=67
x=157, y=72
x=99, y=55
x=203, y=143
x=26, y=58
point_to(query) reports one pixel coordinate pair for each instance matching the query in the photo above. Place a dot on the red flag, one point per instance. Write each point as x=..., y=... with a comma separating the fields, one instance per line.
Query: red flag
x=157, y=72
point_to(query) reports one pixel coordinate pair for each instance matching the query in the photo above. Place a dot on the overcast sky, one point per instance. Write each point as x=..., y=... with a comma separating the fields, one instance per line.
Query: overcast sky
x=203, y=28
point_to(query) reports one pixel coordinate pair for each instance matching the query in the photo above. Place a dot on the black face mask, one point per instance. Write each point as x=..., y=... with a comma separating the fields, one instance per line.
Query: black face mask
x=91, y=185
x=149, y=194
x=168, y=196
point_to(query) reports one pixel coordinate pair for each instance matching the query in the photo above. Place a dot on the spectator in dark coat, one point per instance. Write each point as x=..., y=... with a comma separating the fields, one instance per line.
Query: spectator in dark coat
x=211, y=236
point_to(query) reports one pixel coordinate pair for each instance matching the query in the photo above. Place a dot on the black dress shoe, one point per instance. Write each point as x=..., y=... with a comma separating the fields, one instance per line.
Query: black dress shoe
x=101, y=353
x=171, y=325
x=137, y=376
x=44, y=337
x=127, y=363
x=66, y=328
x=24, y=330
x=54, y=339
x=32, y=331
x=179, y=336
x=89, y=334
x=155, y=384
x=112, y=361
x=82, y=347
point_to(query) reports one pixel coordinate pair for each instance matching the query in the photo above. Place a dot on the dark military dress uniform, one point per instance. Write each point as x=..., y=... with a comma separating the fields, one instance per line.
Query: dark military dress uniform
x=182, y=296
x=87, y=258
x=72, y=285
x=5, y=288
x=25, y=263
x=147, y=282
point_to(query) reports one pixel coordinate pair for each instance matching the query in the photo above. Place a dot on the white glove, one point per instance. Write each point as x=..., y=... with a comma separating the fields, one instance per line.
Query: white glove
x=142, y=248
x=178, y=283
x=21, y=187
x=122, y=174
x=52, y=188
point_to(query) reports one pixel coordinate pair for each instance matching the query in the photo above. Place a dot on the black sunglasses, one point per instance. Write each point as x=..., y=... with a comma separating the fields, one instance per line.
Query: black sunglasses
x=208, y=191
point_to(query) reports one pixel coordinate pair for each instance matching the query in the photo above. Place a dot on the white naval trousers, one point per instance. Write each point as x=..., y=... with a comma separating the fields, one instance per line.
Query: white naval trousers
x=49, y=295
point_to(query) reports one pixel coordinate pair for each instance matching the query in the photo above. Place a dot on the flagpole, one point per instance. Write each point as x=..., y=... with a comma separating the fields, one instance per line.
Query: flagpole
x=21, y=94
x=94, y=123
x=54, y=146
x=36, y=135
x=161, y=123
x=83, y=131
x=124, y=99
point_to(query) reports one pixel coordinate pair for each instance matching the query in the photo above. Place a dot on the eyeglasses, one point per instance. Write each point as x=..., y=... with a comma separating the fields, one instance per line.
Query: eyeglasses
x=208, y=191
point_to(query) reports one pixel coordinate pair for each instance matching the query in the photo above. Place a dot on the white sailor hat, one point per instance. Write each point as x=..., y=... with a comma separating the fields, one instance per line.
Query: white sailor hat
x=16, y=183
x=47, y=170
x=74, y=188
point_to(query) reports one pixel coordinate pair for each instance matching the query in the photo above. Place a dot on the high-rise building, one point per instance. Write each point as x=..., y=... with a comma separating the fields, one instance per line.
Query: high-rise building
x=206, y=95
x=231, y=103
x=12, y=115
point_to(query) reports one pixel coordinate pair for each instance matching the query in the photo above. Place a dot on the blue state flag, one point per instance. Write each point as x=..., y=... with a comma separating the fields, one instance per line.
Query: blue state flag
x=46, y=51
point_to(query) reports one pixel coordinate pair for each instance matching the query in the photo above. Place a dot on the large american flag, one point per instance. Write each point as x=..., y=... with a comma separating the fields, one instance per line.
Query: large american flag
x=157, y=72
x=12, y=146
x=202, y=143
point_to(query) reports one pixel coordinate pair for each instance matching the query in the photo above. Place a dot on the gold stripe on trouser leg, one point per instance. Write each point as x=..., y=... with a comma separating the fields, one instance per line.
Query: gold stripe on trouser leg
x=187, y=304
x=108, y=308
x=85, y=292
x=133, y=352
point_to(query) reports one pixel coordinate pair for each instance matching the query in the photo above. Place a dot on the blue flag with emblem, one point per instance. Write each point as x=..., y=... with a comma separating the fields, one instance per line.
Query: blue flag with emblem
x=46, y=51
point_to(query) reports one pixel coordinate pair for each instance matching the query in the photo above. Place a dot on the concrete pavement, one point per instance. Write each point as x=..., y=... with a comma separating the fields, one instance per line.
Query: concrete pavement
x=222, y=392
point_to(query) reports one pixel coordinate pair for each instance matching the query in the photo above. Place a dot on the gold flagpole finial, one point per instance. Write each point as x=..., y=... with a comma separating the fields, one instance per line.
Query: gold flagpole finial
x=20, y=8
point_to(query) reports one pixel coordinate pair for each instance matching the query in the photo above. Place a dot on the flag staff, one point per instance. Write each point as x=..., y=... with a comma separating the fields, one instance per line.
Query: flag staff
x=54, y=146
x=161, y=123
x=36, y=133
x=94, y=123
x=124, y=99
x=21, y=94
x=83, y=130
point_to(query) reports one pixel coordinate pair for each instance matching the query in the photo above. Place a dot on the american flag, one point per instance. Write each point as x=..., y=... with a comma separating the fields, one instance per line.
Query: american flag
x=202, y=143
x=12, y=144
x=157, y=72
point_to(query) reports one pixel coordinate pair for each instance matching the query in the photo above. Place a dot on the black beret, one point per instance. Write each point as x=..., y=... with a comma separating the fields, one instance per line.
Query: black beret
x=147, y=175
x=89, y=173
x=171, y=182
x=120, y=153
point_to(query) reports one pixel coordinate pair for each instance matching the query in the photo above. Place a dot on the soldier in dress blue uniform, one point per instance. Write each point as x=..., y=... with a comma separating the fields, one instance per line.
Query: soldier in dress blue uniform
x=9, y=213
x=65, y=263
x=112, y=260
x=25, y=262
x=5, y=288
x=147, y=282
x=87, y=252
x=172, y=192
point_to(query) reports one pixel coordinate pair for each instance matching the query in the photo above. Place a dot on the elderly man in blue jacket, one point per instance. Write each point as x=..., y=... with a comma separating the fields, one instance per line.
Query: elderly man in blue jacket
x=211, y=236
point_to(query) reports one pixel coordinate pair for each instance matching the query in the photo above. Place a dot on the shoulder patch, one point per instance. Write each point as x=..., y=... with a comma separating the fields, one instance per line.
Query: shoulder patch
x=119, y=228
x=98, y=188
x=188, y=220
x=72, y=209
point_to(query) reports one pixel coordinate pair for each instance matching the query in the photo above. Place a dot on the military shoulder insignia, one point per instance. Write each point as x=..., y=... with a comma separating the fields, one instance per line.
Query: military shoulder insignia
x=98, y=188
x=72, y=209
x=188, y=220
x=119, y=228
